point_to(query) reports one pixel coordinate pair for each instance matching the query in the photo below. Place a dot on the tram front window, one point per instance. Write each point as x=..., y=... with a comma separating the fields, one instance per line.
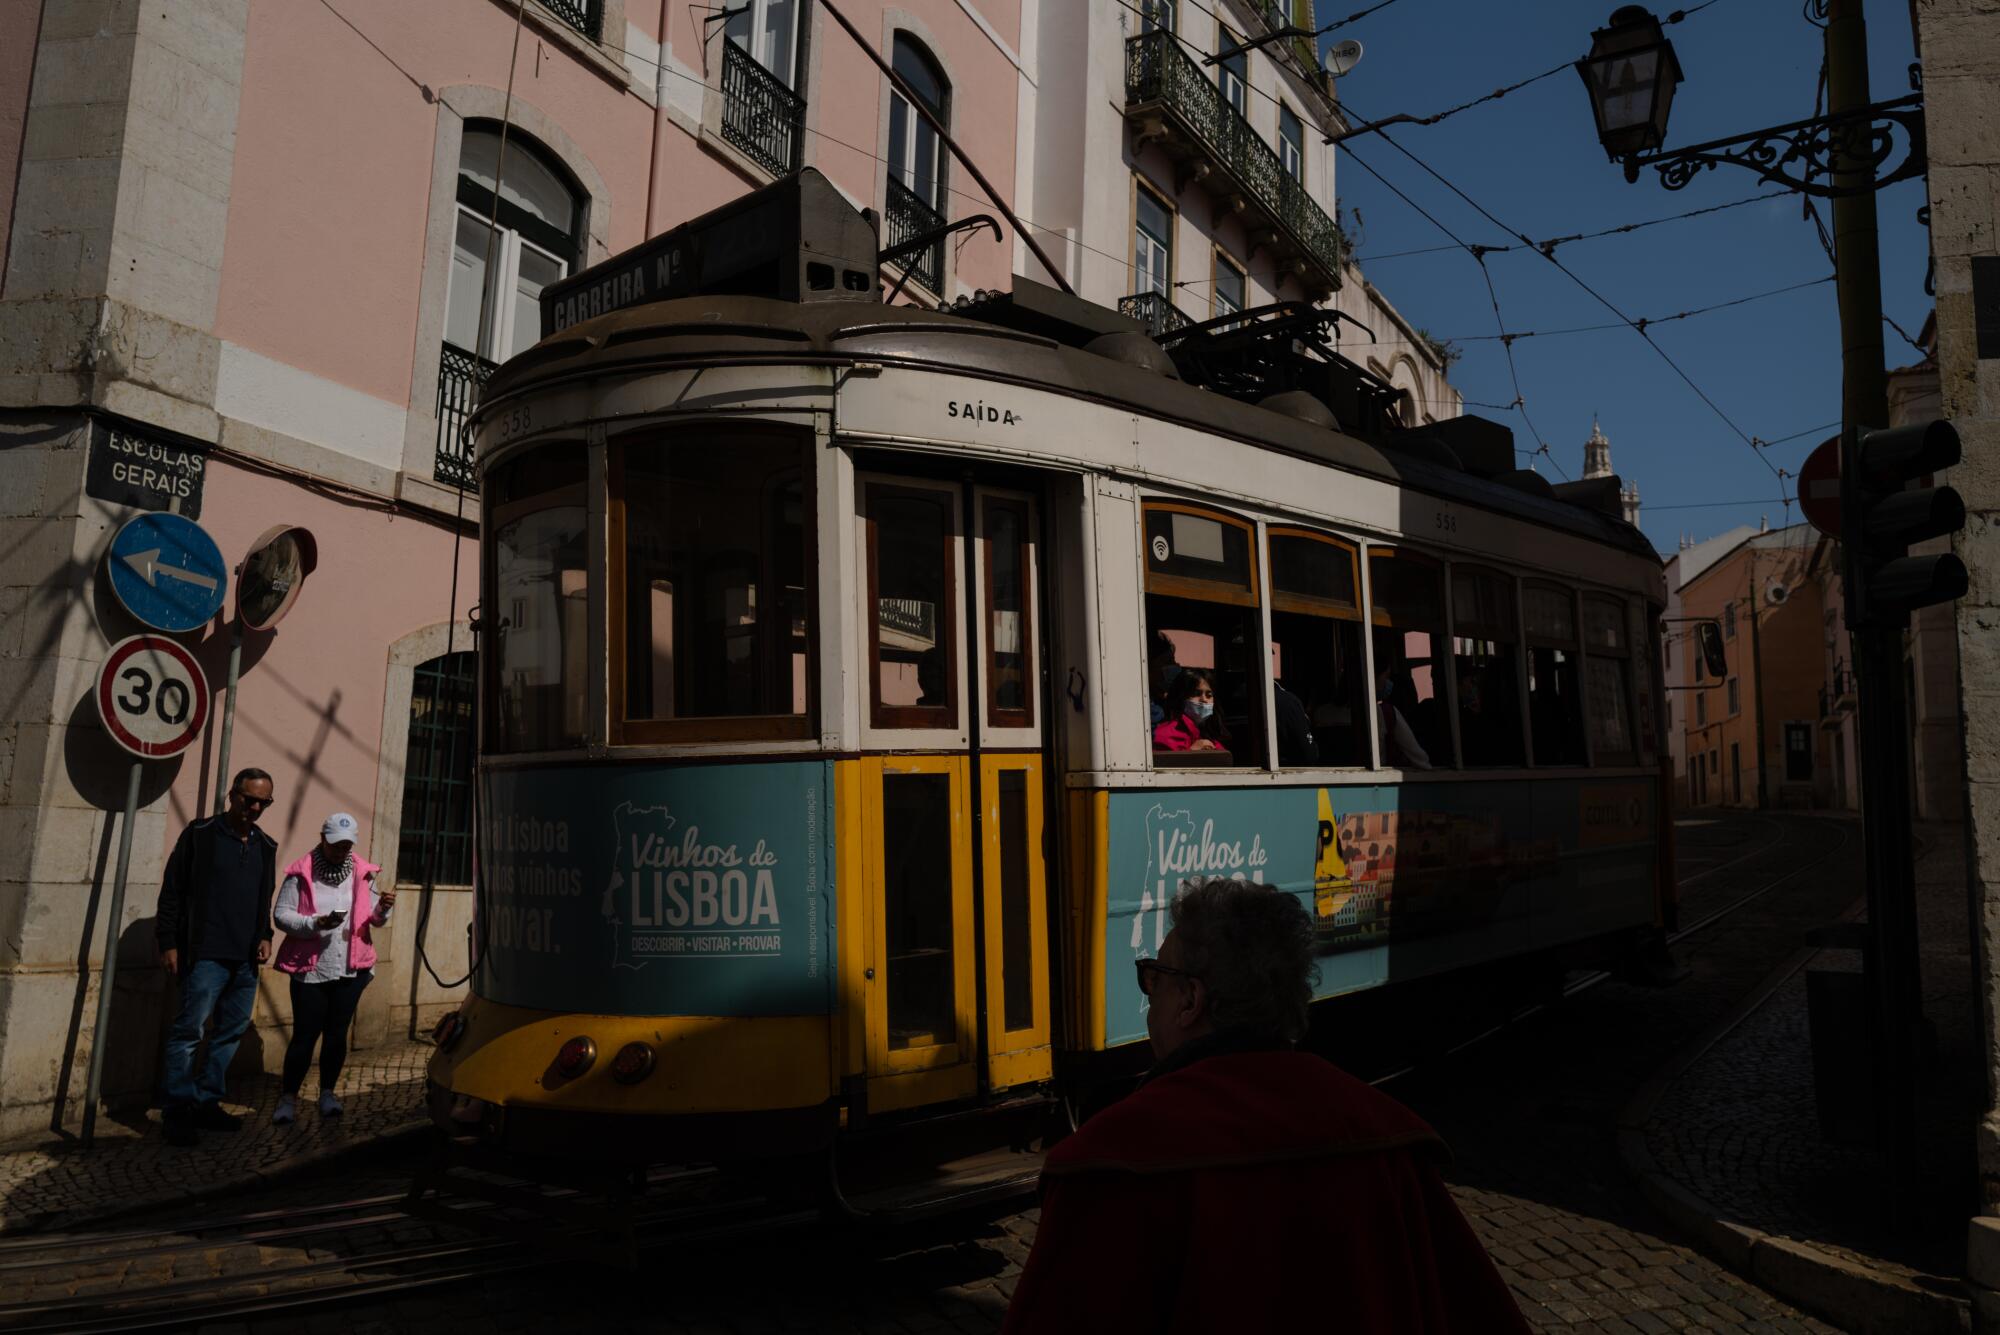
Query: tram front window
x=1406, y=594
x=717, y=615
x=539, y=608
x=1485, y=640
x=1316, y=651
x=1201, y=598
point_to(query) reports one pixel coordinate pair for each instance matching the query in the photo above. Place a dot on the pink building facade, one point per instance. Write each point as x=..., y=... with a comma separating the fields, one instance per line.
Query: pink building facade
x=248, y=240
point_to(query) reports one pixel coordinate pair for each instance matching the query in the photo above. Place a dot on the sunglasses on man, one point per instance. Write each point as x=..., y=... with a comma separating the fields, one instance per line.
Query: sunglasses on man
x=258, y=802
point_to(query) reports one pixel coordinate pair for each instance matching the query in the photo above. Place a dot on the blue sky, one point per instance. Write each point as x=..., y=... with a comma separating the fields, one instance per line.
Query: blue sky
x=1532, y=159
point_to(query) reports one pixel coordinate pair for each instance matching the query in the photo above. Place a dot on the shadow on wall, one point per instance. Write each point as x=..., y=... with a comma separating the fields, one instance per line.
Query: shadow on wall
x=99, y=770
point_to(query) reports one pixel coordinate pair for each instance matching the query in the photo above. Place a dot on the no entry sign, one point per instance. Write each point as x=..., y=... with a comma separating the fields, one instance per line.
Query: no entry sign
x=1819, y=487
x=152, y=696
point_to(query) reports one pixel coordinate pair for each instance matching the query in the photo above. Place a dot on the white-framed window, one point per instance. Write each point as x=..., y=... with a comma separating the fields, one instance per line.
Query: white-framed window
x=501, y=270
x=1231, y=286
x=916, y=159
x=769, y=31
x=1735, y=700
x=1291, y=142
x=1232, y=72
x=1153, y=244
x=1157, y=14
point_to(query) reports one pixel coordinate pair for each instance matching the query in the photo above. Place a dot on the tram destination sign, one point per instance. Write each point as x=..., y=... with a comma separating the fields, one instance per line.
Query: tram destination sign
x=130, y=467
x=796, y=240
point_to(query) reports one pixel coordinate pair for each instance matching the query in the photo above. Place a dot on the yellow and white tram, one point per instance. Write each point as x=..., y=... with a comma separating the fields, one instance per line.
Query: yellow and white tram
x=821, y=646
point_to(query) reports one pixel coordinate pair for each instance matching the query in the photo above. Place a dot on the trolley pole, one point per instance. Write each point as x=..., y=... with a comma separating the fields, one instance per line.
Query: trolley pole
x=1877, y=640
x=102, y=1032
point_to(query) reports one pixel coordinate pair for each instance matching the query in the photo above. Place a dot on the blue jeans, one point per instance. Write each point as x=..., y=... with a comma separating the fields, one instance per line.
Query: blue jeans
x=227, y=991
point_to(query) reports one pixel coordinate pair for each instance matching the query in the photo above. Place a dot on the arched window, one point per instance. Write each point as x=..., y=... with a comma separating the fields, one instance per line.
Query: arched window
x=916, y=157
x=539, y=239
x=437, y=773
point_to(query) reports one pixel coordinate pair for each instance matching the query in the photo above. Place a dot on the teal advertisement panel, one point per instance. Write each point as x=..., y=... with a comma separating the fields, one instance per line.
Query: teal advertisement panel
x=620, y=890
x=1401, y=881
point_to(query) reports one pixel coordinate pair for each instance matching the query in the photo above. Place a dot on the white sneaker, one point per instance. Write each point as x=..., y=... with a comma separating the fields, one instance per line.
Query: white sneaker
x=329, y=1106
x=287, y=1112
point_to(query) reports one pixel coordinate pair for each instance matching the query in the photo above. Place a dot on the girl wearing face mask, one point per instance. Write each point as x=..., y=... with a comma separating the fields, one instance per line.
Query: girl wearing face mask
x=1400, y=748
x=1191, y=723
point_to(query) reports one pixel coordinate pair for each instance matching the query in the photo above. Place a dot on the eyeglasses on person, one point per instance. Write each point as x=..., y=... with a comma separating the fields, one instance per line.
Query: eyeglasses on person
x=1147, y=968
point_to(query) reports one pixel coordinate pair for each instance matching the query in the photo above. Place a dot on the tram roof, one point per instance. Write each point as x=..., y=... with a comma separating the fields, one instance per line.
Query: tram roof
x=740, y=330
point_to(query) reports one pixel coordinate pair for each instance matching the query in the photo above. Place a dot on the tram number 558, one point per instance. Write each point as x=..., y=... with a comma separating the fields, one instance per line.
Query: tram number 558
x=1445, y=521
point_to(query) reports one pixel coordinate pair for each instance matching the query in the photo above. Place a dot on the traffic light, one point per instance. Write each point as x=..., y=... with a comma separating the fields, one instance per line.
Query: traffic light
x=1881, y=515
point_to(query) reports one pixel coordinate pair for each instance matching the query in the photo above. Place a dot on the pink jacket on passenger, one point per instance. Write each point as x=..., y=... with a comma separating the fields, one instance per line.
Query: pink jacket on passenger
x=298, y=954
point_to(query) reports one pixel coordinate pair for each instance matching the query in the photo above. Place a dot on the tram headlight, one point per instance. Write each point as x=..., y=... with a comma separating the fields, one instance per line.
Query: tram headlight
x=575, y=1057
x=633, y=1063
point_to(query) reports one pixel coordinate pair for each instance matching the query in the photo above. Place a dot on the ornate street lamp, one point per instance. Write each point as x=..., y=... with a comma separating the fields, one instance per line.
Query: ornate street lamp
x=1631, y=73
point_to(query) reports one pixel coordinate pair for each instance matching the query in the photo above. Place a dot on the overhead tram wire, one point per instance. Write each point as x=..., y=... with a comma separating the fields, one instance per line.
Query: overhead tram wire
x=1593, y=293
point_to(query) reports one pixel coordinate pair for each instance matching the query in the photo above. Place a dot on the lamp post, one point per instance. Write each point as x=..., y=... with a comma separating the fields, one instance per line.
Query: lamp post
x=1846, y=155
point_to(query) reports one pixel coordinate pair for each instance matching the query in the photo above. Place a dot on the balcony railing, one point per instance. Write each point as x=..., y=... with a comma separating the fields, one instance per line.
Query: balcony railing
x=1164, y=84
x=586, y=16
x=461, y=377
x=1156, y=312
x=759, y=114
x=909, y=216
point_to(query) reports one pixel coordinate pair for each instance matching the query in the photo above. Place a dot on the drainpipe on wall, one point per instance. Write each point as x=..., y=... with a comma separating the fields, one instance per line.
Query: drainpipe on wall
x=1757, y=690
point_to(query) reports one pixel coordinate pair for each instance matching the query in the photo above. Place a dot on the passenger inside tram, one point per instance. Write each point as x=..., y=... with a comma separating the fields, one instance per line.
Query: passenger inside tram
x=1400, y=747
x=1192, y=722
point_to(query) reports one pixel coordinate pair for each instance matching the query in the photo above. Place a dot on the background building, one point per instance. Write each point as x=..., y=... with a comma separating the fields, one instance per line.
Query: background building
x=1752, y=737
x=1678, y=644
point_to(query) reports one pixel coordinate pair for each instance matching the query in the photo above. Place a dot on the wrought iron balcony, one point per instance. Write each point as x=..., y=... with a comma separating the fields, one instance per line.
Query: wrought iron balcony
x=1171, y=101
x=1156, y=312
x=759, y=114
x=586, y=16
x=461, y=377
x=909, y=216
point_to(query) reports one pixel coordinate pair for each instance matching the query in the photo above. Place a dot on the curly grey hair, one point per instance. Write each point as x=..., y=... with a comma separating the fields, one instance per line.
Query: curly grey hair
x=1252, y=947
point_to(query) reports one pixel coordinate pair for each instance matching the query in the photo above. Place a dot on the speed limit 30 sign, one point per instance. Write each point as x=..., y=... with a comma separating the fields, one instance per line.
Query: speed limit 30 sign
x=152, y=696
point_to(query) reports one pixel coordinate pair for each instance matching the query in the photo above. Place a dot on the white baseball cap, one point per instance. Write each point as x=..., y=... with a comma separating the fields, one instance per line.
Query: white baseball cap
x=340, y=828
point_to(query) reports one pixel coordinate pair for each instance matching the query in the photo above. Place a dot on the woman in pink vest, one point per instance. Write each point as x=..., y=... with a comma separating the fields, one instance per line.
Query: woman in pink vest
x=326, y=908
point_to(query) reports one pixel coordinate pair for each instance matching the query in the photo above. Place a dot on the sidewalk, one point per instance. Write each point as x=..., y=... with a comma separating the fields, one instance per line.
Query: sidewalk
x=55, y=1184
x=1726, y=1140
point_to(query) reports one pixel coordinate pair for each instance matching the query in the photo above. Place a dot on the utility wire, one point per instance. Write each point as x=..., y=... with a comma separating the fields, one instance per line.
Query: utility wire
x=1355, y=17
x=1592, y=292
x=1553, y=242
x=1643, y=322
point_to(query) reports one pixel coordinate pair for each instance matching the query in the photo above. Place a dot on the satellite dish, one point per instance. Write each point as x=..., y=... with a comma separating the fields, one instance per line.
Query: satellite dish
x=1342, y=57
x=1776, y=594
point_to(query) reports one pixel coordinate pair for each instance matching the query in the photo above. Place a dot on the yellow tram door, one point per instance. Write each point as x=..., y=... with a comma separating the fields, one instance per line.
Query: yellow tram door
x=954, y=977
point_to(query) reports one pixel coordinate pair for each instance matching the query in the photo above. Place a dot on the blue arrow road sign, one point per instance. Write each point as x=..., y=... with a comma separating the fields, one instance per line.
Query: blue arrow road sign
x=167, y=571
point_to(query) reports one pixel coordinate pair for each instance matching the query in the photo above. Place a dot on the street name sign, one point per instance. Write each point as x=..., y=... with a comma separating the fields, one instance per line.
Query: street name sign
x=152, y=696
x=128, y=467
x=1819, y=488
x=167, y=572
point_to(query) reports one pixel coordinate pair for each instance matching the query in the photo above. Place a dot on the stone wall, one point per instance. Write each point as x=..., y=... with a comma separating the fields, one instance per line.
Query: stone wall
x=1959, y=41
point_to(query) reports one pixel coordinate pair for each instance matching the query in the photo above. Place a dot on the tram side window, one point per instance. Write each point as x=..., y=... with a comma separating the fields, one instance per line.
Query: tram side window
x=1406, y=600
x=1485, y=647
x=539, y=608
x=718, y=621
x=1201, y=618
x=1608, y=652
x=1555, y=682
x=1321, y=686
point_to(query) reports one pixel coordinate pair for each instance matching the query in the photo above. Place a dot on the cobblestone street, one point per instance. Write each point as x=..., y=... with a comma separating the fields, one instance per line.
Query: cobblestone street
x=1529, y=1112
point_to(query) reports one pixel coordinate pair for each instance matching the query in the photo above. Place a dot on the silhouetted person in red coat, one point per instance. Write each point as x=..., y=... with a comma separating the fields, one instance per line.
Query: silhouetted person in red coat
x=1245, y=1186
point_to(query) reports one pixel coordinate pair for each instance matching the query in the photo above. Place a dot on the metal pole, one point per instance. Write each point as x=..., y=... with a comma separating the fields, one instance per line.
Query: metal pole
x=228, y=716
x=103, y=1029
x=1892, y=953
x=1757, y=687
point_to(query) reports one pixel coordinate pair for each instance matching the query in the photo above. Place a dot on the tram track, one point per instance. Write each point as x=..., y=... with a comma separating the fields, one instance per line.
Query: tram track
x=1585, y=982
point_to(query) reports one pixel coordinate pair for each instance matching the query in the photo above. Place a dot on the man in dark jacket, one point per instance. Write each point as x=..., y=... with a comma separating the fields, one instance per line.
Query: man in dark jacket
x=213, y=930
x=1245, y=1186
